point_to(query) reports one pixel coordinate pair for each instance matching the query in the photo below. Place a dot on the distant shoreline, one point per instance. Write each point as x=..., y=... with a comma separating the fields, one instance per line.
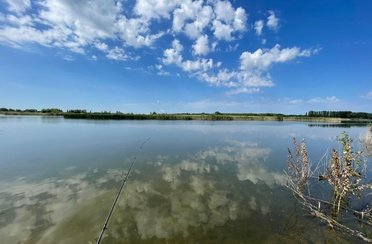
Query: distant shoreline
x=189, y=116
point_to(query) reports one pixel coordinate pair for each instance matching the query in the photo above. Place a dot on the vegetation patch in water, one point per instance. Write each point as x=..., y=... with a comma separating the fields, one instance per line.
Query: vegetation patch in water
x=346, y=175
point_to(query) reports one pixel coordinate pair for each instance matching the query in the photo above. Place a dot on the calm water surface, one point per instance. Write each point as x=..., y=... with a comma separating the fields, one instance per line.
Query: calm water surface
x=193, y=182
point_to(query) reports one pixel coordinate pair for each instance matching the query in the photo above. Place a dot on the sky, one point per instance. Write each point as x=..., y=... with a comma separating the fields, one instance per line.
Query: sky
x=171, y=56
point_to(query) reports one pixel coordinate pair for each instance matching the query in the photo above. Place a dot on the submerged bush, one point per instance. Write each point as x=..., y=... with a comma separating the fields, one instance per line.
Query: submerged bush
x=345, y=174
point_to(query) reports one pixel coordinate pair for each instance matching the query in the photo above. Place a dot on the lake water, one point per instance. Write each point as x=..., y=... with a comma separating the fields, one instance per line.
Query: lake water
x=192, y=182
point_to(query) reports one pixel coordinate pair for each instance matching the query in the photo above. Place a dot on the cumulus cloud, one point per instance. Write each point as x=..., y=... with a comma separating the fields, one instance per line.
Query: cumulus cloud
x=67, y=24
x=156, y=9
x=262, y=59
x=228, y=20
x=192, y=18
x=187, y=10
x=76, y=25
x=135, y=32
x=222, y=31
x=200, y=64
x=116, y=30
x=174, y=56
x=258, y=26
x=253, y=73
x=116, y=54
x=272, y=21
x=201, y=46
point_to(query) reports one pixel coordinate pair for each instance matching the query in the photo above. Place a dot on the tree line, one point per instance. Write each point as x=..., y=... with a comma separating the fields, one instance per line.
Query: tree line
x=84, y=114
x=32, y=110
x=340, y=114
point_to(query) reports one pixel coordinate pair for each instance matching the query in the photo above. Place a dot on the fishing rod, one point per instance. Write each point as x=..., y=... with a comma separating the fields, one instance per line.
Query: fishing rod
x=105, y=225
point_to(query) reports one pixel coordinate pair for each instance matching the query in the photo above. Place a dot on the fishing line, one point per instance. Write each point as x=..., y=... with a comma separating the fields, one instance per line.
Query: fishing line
x=105, y=225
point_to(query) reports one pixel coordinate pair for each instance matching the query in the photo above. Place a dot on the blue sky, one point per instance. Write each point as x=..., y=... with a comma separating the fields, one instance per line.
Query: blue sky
x=186, y=56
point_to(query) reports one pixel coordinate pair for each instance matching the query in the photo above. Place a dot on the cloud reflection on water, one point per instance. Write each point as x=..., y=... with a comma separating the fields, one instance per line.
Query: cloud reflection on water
x=199, y=191
x=164, y=198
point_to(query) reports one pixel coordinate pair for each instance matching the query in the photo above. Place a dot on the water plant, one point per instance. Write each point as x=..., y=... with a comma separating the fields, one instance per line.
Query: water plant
x=346, y=175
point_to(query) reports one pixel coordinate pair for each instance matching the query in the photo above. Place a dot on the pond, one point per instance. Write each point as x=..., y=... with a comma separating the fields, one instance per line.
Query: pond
x=192, y=181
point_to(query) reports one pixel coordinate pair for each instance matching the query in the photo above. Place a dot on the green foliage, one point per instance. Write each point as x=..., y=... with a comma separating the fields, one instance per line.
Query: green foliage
x=129, y=116
x=52, y=110
x=84, y=114
x=77, y=111
x=340, y=114
x=30, y=110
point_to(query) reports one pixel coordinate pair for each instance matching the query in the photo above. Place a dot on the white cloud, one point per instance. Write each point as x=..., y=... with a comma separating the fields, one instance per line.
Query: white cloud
x=253, y=73
x=76, y=25
x=200, y=64
x=203, y=18
x=368, y=96
x=68, y=58
x=239, y=81
x=67, y=24
x=222, y=31
x=85, y=19
x=240, y=19
x=232, y=48
x=192, y=17
x=116, y=53
x=173, y=55
x=117, y=28
x=101, y=46
x=135, y=32
x=185, y=11
x=160, y=70
x=254, y=79
x=24, y=20
x=258, y=26
x=223, y=78
x=201, y=46
x=272, y=21
x=262, y=59
x=295, y=101
x=18, y=6
x=331, y=99
x=224, y=11
x=156, y=9
x=228, y=20
x=243, y=90
x=290, y=101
